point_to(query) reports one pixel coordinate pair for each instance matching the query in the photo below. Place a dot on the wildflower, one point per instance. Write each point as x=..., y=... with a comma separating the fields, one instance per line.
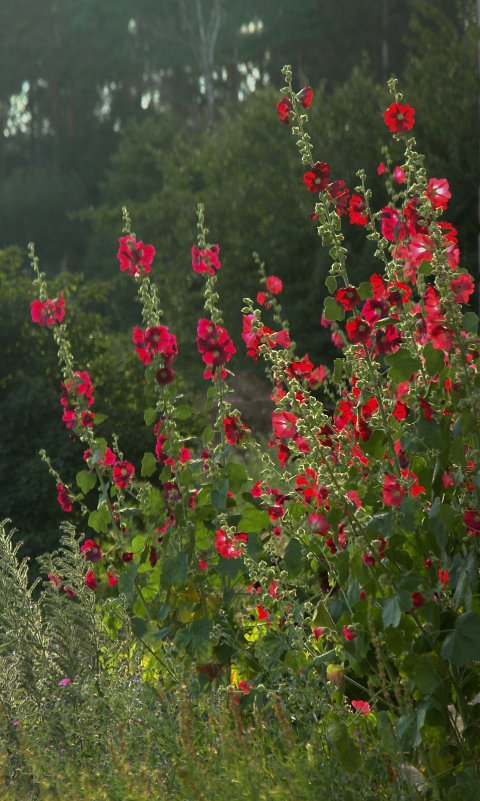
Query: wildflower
x=418, y=600
x=234, y=429
x=399, y=117
x=49, y=311
x=471, y=518
x=134, y=256
x=358, y=330
x=156, y=339
x=399, y=175
x=64, y=682
x=112, y=579
x=284, y=424
x=316, y=179
x=349, y=633
x=226, y=546
x=318, y=632
x=347, y=297
x=462, y=287
x=339, y=196
x=90, y=580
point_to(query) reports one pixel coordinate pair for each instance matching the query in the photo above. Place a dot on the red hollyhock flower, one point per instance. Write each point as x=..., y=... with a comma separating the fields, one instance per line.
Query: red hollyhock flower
x=49, y=311
x=318, y=524
x=284, y=107
x=387, y=340
x=90, y=579
x=339, y=196
x=418, y=599
x=135, y=256
x=112, y=579
x=349, y=633
x=206, y=260
x=347, y=297
x=316, y=179
x=262, y=612
x=301, y=368
x=156, y=339
x=356, y=210
x=471, y=518
x=284, y=424
x=358, y=330
x=226, y=546
x=462, y=287
x=63, y=498
x=399, y=117
x=381, y=168
x=92, y=550
x=318, y=632
x=215, y=347
x=274, y=284
x=305, y=96
x=392, y=491
x=362, y=706
x=165, y=375
x=127, y=556
x=399, y=175
x=441, y=336
x=374, y=310
x=392, y=225
x=123, y=473
x=234, y=429
x=438, y=192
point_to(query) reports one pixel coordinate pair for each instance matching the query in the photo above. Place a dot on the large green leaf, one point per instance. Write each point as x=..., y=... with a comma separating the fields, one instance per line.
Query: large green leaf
x=463, y=644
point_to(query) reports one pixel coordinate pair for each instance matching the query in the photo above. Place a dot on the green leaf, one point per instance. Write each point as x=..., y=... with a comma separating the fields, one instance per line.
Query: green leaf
x=86, y=480
x=463, y=644
x=391, y=612
x=331, y=283
x=138, y=543
x=375, y=446
x=100, y=519
x=149, y=465
x=253, y=520
x=184, y=411
x=332, y=310
x=100, y=418
x=402, y=364
x=434, y=361
x=175, y=570
x=365, y=290
x=150, y=416
x=208, y=435
x=344, y=745
x=219, y=495
x=293, y=557
x=237, y=475
x=470, y=322
x=338, y=366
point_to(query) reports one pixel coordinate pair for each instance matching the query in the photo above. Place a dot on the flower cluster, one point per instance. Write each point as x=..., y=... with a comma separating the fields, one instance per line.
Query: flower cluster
x=134, y=256
x=215, y=347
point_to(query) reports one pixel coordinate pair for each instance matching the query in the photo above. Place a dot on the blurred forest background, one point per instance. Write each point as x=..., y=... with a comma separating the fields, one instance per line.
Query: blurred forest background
x=155, y=105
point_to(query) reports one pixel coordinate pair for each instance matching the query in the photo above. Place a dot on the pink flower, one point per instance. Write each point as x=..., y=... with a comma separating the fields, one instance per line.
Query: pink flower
x=206, y=260
x=362, y=706
x=284, y=424
x=349, y=633
x=49, y=311
x=318, y=632
x=63, y=498
x=462, y=287
x=64, y=682
x=135, y=256
x=438, y=192
x=399, y=175
x=274, y=284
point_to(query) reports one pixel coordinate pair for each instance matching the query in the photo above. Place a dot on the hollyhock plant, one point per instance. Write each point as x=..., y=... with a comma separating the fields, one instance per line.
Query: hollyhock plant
x=123, y=473
x=438, y=192
x=284, y=107
x=234, y=429
x=305, y=96
x=361, y=706
x=134, y=256
x=91, y=550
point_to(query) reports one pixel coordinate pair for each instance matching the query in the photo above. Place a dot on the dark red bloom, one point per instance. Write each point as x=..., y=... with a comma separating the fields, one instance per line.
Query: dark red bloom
x=215, y=347
x=234, y=429
x=284, y=107
x=127, y=556
x=349, y=633
x=49, y=311
x=392, y=491
x=90, y=579
x=356, y=210
x=123, y=473
x=347, y=297
x=226, y=546
x=135, y=256
x=418, y=599
x=339, y=196
x=358, y=330
x=165, y=375
x=393, y=227
x=92, y=550
x=206, y=260
x=63, y=498
x=399, y=117
x=316, y=178
x=471, y=518
x=305, y=96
